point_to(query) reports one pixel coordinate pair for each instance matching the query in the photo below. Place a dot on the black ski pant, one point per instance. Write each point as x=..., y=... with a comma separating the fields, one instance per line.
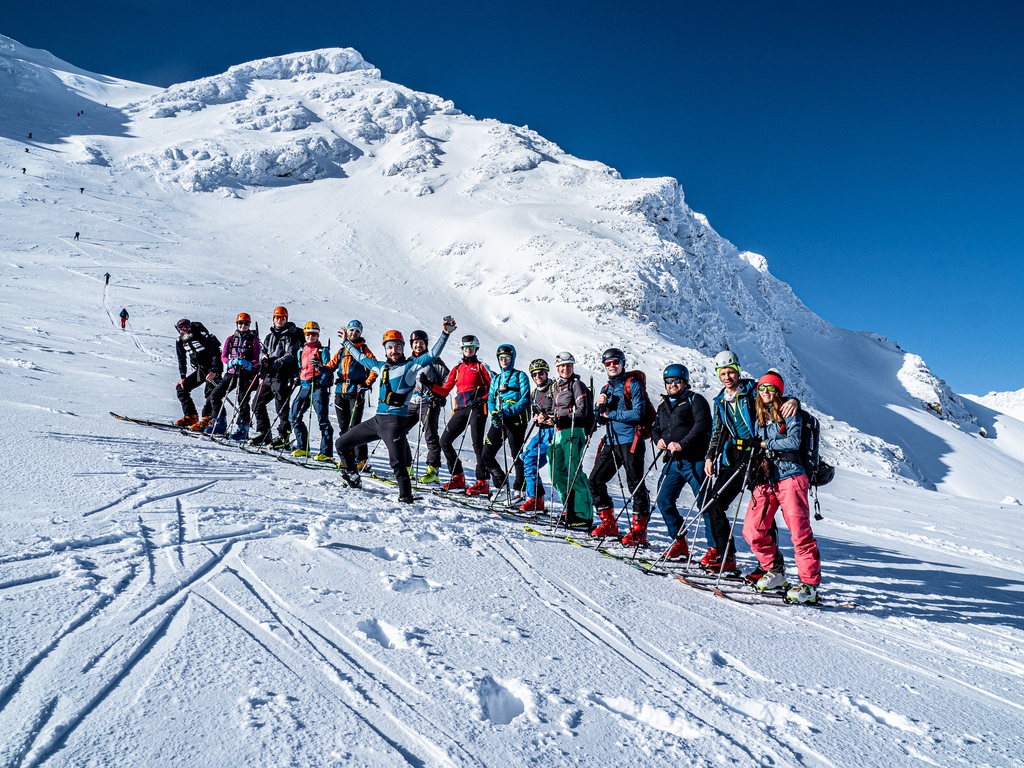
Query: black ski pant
x=611, y=456
x=426, y=414
x=242, y=381
x=279, y=389
x=390, y=429
x=184, y=391
x=349, y=410
x=475, y=418
x=499, y=432
x=727, y=486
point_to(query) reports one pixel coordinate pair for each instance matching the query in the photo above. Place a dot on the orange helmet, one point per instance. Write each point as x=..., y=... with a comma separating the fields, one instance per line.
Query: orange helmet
x=281, y=312
x=243, y=317
x=393, y=336
x=312, y=326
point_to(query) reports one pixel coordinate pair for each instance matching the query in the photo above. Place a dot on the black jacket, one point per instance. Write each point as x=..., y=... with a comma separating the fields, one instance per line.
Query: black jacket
x=279, y=349
x=201, y=349
x=685, y=420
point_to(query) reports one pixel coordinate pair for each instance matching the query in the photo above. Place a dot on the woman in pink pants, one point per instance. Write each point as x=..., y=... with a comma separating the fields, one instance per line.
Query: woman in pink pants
x=782, y=483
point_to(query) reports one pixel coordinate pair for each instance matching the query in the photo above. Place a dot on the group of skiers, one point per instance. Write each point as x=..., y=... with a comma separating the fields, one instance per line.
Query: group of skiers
x=749, y=437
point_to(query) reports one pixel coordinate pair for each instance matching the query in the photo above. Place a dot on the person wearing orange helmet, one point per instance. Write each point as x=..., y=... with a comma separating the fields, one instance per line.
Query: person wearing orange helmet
x=315, y=381
x=278, y=371
x=241, y=358
x=398, y=376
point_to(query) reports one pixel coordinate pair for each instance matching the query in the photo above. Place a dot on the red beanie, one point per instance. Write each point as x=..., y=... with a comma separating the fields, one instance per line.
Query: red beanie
x=774, y=379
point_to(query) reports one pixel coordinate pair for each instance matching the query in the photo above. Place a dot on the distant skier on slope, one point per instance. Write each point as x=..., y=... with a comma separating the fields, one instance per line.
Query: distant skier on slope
x=106, y=278
x=397, y=379
x=425, y=407
x=471, y=381
x=620, y=408
x=728, y=453
x=124, y=317
x=683, y=430
x=781, y=481
x=353, y=382
x=241, y=357
x=278, y=370
x=199, y=348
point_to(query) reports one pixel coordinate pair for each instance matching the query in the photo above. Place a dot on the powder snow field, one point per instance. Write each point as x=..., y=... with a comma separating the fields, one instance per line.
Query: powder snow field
x=168, y=601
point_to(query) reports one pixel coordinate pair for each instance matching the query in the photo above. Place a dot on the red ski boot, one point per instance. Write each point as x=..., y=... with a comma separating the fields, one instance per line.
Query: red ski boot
x=678, y=550
x=533, y=504
x=479, y=488
x=609, y=526
x=457, y=483
x=637, y=536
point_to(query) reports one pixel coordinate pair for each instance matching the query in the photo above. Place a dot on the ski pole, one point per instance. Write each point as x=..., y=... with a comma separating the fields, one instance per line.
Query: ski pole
x=522, y=448
x=682, y=534
x=568, y=468
x=736, y=514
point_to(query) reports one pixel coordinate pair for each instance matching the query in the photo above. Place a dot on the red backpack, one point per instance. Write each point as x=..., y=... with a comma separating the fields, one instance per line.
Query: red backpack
x=650, y=414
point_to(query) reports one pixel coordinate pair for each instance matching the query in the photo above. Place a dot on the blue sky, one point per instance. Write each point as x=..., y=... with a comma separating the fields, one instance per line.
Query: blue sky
x=871, y=151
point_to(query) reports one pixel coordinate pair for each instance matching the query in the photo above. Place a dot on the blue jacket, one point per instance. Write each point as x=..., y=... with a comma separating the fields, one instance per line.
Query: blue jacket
x=782, y=438
x=509, y=395
x=622, y=422
x=732, y=423
x=397, y=379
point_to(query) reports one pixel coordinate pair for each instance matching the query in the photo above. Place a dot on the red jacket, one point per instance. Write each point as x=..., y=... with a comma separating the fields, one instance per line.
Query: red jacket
x=470, y=379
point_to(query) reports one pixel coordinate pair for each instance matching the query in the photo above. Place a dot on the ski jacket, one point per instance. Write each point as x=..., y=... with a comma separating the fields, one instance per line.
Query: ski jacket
x=351, y=373
x=312, y=359
x=622, y=422
x=435, y=373
x=397, y=380
x=686, y=420
x=241, y=345
x=732, y=421
x=782, y=437
x=123, y=313
x=201, y=349
x=509, y=395
x=572, y=406
x=542, y=400
x=470, y=379
x=280, y=346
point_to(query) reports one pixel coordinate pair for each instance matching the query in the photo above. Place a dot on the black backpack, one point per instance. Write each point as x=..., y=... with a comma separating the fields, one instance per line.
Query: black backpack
x=819, y=472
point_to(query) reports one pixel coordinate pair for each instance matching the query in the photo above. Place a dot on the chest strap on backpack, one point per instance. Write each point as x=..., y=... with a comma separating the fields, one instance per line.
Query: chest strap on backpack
x=391, y=397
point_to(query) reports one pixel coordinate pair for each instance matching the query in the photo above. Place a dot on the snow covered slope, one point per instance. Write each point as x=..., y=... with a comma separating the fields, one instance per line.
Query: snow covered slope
x=167, y=600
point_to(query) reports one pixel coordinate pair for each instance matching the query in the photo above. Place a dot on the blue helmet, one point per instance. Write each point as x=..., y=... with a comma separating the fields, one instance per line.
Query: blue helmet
x=354, y=324
x=676, y=371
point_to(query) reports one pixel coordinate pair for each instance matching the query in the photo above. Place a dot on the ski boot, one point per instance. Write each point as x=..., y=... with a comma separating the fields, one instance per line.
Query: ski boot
x=710, y=557
x=241, y=433
x=300, y=453
x=351, y=479
x=802, y=593
x=282, y=441
x=324, y=457
x=479, y=488
x=202, y=425
x=533, y=504
x=457, y=483
x=261, y=439
x=755, y=575
x=609, y=525
x=774, y=579
x=186, y=422
x=430, y=476
x=678, y=550
x=219, y=427
x=404, y=488
x=637, y=536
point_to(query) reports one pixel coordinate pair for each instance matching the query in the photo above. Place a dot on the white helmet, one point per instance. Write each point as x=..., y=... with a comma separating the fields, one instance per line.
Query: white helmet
x=727, y=359
x=470, y=341
x=564, y=358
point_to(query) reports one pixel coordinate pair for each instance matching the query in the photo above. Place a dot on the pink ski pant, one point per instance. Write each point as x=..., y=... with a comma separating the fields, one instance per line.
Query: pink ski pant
x=791, y=495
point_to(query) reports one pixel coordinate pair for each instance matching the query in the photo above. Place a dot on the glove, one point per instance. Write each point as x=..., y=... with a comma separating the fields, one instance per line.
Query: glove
x=233, y=362
x=424, y=379
x=243, y=364
x=504, y=413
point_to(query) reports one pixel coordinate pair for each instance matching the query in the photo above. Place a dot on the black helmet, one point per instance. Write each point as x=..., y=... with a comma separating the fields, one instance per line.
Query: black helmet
x=184, y=325
x=539, y=365
x=418, y=336
x=613, y=353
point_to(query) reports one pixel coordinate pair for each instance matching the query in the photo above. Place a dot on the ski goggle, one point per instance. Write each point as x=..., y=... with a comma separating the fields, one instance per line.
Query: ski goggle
x=243, y=322
x=280, y=317
x=767, y=388
x=674, y=380
x=184, y=327
x=312, y=333
x=613, y=361
x=504, y=358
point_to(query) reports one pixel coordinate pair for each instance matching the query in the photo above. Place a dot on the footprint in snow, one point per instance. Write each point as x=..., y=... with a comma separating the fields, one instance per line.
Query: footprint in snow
x=410, y=585
x=497, y=703
x=386, y=635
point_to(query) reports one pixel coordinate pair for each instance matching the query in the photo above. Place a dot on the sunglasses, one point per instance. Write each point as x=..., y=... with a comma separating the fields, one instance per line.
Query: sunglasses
x=767, y=388
x=280, y=317
x=674, y=381
x=610, y=363
x=312, y=333
x=245, y=324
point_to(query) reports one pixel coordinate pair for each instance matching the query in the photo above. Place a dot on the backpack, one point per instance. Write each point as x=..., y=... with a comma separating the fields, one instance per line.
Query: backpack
x=819, y=472
x=650, y=414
